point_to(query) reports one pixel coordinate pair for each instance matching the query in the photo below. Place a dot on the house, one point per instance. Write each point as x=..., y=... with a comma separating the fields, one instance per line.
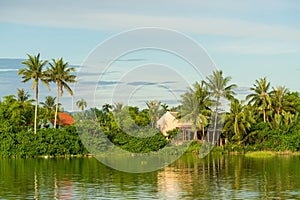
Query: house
x=169, y=122
x=63, y=119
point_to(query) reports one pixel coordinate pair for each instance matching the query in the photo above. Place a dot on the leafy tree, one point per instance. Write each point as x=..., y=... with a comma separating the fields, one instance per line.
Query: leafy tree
x=81, y=104
x=34, y=71
x=60, y=73
x=260, y=97
x=219, y=88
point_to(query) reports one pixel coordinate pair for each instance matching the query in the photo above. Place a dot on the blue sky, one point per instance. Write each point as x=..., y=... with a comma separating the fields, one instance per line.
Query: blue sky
x=246, y=39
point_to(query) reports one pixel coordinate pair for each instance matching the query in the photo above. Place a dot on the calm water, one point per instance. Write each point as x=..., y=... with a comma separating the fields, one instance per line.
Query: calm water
x=225, y=177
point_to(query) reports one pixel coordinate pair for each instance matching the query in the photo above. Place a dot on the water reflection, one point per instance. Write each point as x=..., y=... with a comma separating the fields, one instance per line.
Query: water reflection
x=222, y=177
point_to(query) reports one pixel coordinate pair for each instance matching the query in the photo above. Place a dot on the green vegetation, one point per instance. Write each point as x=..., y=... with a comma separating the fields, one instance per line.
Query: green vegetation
x=260, y=154
x=21, y=142
x=267, y=120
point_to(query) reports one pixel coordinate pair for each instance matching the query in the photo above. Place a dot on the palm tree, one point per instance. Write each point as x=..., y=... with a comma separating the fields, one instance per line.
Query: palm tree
x=59, y=72
x=23, y=96
x=81, y=104
x=279, y=100
x=204, y=102
x=34, y=70
x=195, y=108
x=240, y=119
x=49, y=103
x=260, y=98
x=106, y=108
x=49, y=107
x=165, y=107
x=117, y=107
x=219, y=88
x=153, y=107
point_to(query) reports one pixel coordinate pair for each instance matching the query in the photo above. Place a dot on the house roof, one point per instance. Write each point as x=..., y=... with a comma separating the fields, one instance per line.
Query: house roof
x=65, y=118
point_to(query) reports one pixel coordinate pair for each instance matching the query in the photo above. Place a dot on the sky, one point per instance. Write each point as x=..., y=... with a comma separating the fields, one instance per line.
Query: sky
x=247, y=40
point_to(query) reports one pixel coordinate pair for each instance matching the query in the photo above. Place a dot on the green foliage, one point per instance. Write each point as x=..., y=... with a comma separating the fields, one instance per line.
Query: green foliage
x=52, y=142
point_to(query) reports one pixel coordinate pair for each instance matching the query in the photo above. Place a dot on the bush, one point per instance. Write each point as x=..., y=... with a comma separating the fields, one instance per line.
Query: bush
x=52, y=142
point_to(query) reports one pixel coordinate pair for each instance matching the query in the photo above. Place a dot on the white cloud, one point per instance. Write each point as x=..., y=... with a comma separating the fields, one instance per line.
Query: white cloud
x=95, y=17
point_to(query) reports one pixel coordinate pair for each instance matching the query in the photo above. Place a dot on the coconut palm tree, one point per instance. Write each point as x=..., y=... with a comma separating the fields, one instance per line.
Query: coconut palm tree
x=60, y=73
x=219, y=88
x=49, y=107
x=81, y=104
x=117, y=107
x=260, y=97
x=240, y=119
x=34, y=71
x=165, y=107
x=189, y=111
x=153, y=107
x=195, y=108
x=23, y=96
x=279, y=100
x=49, y=103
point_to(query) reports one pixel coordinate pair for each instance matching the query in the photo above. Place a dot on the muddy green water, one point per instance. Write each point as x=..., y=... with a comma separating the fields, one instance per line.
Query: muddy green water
x=221, y=177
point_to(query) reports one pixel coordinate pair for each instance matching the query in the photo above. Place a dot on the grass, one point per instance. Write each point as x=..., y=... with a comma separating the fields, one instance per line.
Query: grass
x=260, y=154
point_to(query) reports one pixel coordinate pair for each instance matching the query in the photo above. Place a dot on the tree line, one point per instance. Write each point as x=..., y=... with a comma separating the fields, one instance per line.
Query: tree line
x=268, y=118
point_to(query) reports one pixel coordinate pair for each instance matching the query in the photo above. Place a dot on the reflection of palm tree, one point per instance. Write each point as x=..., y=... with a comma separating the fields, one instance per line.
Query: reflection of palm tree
x=240, y=119
x=60, y=73
x=218, y=86
x=260, y=98
x=34, y=70
x=153, y=107
x=81, y=104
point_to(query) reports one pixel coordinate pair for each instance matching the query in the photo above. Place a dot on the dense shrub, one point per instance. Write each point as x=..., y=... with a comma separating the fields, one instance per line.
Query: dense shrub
x=52, y=142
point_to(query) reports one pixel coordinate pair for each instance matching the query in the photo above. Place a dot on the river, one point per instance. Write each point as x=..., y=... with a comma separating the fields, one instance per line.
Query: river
x=214, y=177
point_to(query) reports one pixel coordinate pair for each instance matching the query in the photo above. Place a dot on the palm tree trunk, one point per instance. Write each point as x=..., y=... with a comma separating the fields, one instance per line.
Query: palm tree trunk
x=215, y=123
x=195, y=135
x=36, y=106
x=264, y=115
x=56, y=109
x=203, y=132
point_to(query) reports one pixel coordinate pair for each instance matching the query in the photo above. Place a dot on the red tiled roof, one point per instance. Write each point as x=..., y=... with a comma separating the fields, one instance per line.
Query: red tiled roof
x=65, y=118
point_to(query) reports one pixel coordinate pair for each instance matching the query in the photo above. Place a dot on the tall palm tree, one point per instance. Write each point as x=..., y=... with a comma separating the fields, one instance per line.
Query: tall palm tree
x=34, y=71
x=260, y=97
x=240, y=119
x=219, y=88
x=81, y=104
x=60, y=73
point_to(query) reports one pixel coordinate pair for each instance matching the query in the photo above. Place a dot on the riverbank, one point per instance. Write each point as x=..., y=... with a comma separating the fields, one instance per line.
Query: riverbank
x=250, y=151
